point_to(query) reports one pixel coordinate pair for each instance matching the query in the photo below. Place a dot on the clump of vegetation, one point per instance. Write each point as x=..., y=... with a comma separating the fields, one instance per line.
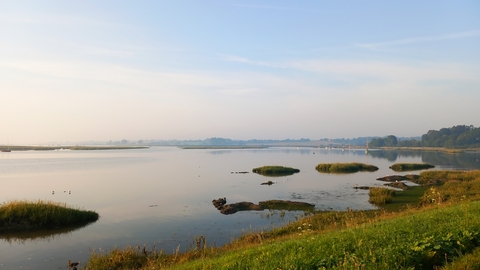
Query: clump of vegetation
x=450, y=186
x=21, y=215
x=345, y=167
x=401, y=167
x=380, y=196
x=275, y=170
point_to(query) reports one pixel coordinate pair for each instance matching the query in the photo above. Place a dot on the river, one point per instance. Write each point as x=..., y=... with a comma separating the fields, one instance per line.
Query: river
x=162, y=196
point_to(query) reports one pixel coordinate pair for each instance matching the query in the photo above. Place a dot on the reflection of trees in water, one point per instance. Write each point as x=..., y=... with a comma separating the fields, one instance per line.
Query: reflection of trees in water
x=38, y=235
x=458, y=160
x=301, y=151
x=388, y=155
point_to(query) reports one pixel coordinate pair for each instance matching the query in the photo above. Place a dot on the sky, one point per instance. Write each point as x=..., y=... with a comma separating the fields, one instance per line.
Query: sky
x=75, y=71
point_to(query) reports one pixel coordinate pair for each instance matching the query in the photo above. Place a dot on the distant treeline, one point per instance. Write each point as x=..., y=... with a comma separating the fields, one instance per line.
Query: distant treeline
x=460, y=136
x=209, y=142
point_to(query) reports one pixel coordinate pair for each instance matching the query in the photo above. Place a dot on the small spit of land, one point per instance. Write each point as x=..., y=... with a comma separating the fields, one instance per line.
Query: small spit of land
x=439, y=229
x=76, y=147
x=401, y=167
x=275, y=170
x=345, y=167
x=31, y=215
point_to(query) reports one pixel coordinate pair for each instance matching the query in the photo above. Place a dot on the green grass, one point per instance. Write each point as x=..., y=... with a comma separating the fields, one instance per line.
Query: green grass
x=406, y=198
x=275, y=170
x=401, y=167
x=24, y=215
x=345, y=167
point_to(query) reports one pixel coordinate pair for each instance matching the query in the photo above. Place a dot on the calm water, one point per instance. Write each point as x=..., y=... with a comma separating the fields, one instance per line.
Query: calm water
x=163, y=196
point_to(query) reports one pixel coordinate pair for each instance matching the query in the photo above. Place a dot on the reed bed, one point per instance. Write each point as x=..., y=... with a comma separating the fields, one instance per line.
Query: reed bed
x=401, y=167
x=345, y=167
x=18, y=215
x=275, y=170
x=380, y=196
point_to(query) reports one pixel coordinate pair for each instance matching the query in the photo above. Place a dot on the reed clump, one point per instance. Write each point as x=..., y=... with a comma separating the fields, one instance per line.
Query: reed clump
x=380, y=196
x=345, y=167
x=275, y=170
x=401, y=167
x=21, y=215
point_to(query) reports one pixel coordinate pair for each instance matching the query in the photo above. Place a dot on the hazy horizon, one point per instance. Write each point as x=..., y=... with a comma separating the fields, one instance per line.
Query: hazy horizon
x=186, y=70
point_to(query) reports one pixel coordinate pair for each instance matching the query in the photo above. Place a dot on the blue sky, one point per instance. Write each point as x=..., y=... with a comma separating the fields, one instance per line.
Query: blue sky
x=112, y=70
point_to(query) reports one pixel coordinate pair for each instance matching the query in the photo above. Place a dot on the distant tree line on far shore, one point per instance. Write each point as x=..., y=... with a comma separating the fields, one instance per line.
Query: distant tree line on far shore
x=460, y=136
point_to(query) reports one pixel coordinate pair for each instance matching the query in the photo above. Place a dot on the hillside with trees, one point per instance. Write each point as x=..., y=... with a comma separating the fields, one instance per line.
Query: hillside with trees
x=460, y=136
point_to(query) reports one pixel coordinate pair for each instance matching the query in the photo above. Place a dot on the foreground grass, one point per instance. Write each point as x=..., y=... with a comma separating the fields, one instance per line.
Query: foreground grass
x=345, y=167
x=22, y=215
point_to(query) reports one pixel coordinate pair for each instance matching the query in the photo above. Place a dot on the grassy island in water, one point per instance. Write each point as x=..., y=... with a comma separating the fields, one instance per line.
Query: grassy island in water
x=275, y=170
x=345, y=167
x=401, y=167
x=25, y=215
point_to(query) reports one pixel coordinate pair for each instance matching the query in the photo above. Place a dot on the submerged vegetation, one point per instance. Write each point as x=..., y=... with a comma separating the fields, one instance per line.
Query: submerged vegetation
x=345, y=167
x=401, y=167
x=442, y=231
x=25, y=215
x=275, y=170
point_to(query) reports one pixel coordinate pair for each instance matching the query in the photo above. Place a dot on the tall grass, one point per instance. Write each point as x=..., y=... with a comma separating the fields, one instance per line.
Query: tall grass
x=380, y=196
x=18, y=215
x=275, y=170
x=401, y=167
x=345, y=167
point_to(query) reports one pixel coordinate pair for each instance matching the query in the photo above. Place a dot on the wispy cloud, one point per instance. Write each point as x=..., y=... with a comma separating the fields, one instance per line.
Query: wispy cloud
x=379, y=45
x=233, y=58
x=273, y=7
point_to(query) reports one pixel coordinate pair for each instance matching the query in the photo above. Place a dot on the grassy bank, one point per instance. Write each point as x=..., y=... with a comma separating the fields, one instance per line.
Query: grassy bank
x=345, y=167
x=25, y=215
x=443, y=230
x=417, y=240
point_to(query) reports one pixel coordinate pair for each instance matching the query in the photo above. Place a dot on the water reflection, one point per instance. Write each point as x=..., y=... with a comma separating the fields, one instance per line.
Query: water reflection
x=24, y=237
